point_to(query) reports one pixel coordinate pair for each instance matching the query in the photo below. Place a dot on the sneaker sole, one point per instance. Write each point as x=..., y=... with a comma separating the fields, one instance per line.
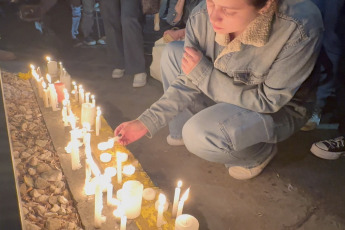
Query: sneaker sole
x=324, y=154
x=241, y=173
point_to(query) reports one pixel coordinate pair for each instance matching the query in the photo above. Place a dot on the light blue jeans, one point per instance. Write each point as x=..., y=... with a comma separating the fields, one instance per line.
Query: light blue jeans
x=225, y=133
x=76, y=15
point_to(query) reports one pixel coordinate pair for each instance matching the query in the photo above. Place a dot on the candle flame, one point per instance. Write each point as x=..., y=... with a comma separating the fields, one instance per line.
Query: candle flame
x=80, y=86
x=73, y=83
x=32, y=66
x=48, y=58
x=185, y=195
x=60, y=63
x=179, y=184
x=99, y=112
x=161, y=199
x=92, y=96
x=49, y=78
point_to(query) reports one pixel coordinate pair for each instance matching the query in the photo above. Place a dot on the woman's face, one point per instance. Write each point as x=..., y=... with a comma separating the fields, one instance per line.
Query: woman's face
x=230, y=16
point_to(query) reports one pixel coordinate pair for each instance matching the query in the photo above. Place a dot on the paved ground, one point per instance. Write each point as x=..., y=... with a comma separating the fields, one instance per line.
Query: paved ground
x=296, y=191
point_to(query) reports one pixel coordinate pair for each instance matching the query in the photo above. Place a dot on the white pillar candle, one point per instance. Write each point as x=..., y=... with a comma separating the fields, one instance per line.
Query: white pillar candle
x=186, y=222
x=66, y=79
x=176, y=198
x=120, y=158
x=98, y=205
x=52, y=67
x=75, y=150
x=132, y=198
x=98, y=120
x=88, y=113
x=64, y=113
x=93, y=100
x=87, y=97
x=162, y=200
x=52, y=94
x=123, y=222
x=181, y=203
x=45, y=95
x=40, y=87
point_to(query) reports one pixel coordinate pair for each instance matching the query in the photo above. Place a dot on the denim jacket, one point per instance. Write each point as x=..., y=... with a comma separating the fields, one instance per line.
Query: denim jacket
x=253, y=73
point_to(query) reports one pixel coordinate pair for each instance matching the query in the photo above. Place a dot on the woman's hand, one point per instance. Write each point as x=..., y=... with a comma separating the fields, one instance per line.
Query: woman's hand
x=174, y=34
x=191, y=58
x=130, y=131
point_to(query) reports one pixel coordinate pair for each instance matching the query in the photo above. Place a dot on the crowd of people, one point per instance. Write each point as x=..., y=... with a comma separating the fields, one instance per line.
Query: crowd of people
x=239, y=76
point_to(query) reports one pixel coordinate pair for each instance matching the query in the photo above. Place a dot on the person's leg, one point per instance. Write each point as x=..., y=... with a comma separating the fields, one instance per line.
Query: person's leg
x=170, y=69
x=234, y=136
x=76, y=15
x=132, y=32
x=87, y=20
x=111, y=15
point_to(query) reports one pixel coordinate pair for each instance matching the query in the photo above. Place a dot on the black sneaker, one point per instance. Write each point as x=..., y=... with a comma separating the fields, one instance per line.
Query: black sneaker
x=89, y=41
x=329, y=149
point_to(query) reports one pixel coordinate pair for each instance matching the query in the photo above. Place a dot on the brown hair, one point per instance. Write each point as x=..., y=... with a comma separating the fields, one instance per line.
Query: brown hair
x=258, y=4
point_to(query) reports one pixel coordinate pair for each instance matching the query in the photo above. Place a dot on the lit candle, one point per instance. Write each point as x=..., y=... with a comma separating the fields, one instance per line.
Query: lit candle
x=98, y=121
x=120, y=158
x=40, y=88
x=105, y=157
x=81, y=94
x=119, y=213
x=88, y=113
x=162, y=200
x=128, y=170
x=93, y=100
x=176, y=198
x=132, y=195
x=87, y=178
x=86, y=134
x=110, y=194
x=64, y=113
x=52, y=94
x=87, y=97
x=75, y=149
x=149, y=194
x=181, y=203
x=98, y=205
x=52, y=67
x=45, y=95
x=186, y=222
x=75, y=91
x=66, y=79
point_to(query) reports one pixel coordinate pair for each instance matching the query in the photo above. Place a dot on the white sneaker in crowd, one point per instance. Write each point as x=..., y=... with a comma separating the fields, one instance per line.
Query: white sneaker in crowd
x=102, y=41
x=139, y=80
x=118, y=73
x=174, y=142
x=330, y=149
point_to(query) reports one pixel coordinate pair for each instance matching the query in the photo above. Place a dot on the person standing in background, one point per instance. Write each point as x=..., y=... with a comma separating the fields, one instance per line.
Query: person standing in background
x=123, y=24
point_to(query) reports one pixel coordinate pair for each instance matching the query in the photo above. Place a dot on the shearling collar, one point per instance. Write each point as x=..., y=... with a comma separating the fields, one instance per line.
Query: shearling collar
x=256, y=34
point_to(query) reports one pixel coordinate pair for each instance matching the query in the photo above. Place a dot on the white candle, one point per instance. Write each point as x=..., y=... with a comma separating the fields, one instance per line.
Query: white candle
x=45, y=95
x=181, y=203
x=52, y=94
x=66, y=79
x=186, y=222
x=75, y=91
x=162, y=200
x=105, y=157
x=120, y=158
x=88, y=113
x=52, y=67
x=132, y=198
x=110, y=194
x=149, y=194
x=98, y=205
x=123, y=222
x=87, y=97
x=176, y=198
x=93, y=100
x=40, y=87
x=128, y=170
x=64, y=113
x=110, y=171
x=87, y=178
x=81, y=94
x=75, y=150
x=98, y=120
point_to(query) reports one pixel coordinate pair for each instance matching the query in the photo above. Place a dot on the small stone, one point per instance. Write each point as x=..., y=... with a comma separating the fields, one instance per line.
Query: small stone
x=62, y=200
x=34, y=193
x=43, y=167
x=71, y=226
x=41, y=210
x=43, y=198
x=60, y=184
x=50, y=214
x=55, y=208
x=25, y=211
x=25, y=155
x=41, y=143
x=53, y=224
x=41, y=183
x=16, y=154
x=24, y=126
x=57, y=191
x=32, y=171
x=52, y=188
x=52, y=200
x=31, y=226
x=62, y=211
x=52, y=175
x=23, y=189
x=33, y=161
x=28, y=117
x=29, y=181
x=45, y=156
